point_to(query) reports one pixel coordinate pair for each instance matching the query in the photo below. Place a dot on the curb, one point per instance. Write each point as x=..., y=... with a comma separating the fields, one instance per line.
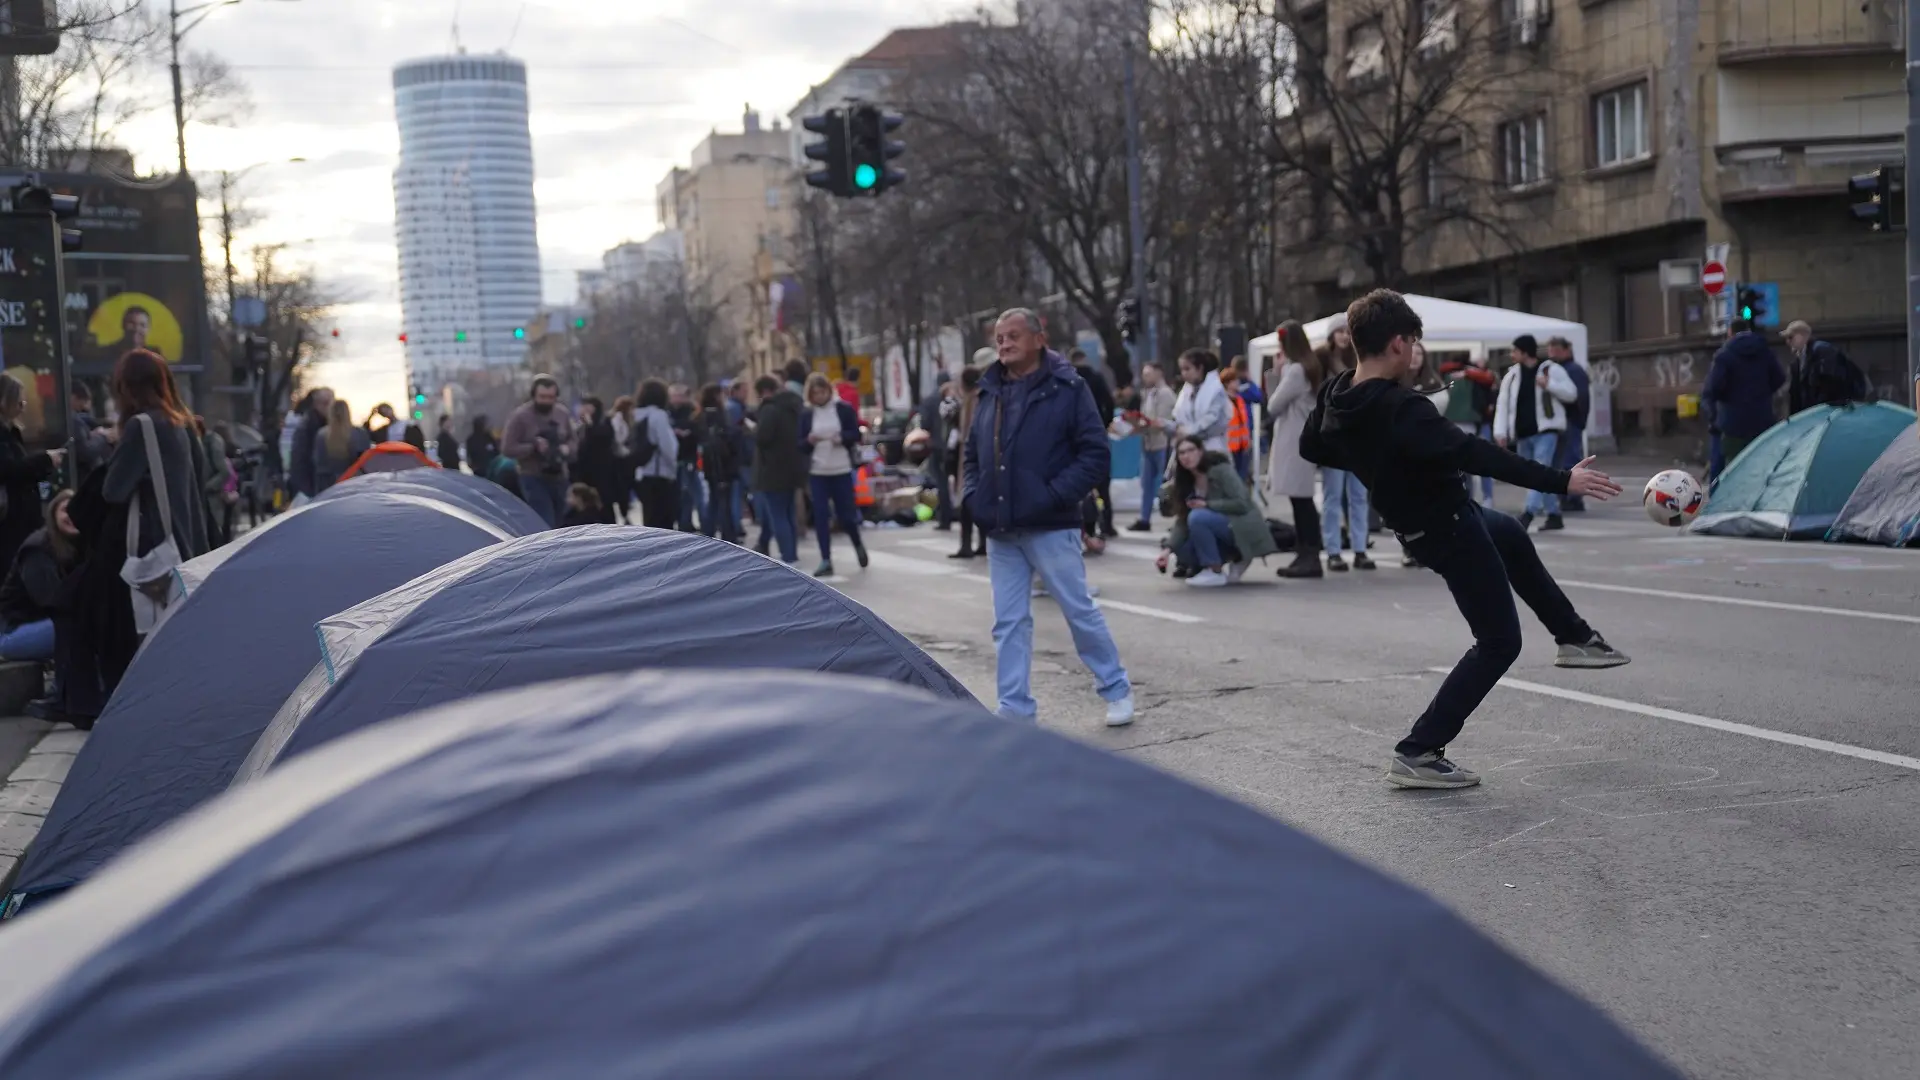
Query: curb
x=29, y=792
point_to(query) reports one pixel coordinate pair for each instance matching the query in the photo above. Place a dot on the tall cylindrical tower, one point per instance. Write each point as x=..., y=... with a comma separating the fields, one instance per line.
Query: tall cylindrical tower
x=464, y=212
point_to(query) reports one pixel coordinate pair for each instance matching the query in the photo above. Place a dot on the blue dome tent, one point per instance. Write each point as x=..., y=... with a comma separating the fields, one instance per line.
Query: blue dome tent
x=1792, y=481
x=588, y=601
x=705, y=876
x=483, y=497
x=212, y=675
x=1885, y=508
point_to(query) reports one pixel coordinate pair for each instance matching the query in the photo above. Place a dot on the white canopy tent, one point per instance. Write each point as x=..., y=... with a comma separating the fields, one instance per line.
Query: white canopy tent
x=1451, y=326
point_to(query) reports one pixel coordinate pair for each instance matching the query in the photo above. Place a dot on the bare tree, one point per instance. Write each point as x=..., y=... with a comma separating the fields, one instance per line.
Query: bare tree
x=298, y=304
x=1391, y=137
x=663, y=327
x=110, y=69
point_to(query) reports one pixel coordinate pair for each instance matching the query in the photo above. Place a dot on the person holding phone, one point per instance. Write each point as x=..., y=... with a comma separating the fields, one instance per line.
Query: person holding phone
x=1217, y=528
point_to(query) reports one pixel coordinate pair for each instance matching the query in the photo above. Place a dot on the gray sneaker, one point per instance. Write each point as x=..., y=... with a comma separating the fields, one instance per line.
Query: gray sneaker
x=1594, y=654
x=1428, y=770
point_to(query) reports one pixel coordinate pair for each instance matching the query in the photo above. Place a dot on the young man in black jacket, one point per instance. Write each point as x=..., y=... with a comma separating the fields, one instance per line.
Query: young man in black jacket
x=1415, y=465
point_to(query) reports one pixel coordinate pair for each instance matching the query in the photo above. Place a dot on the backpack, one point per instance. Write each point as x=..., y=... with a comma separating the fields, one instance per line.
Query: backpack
x=717, y=447
x=1285, y=536
x=1846, y=373
x=643, y=449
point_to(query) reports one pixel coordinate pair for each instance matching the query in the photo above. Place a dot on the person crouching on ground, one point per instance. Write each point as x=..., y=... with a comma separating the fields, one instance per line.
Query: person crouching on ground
x=1412, y=460
x=583, y=507
x=1037, y=449
x=1216, y=526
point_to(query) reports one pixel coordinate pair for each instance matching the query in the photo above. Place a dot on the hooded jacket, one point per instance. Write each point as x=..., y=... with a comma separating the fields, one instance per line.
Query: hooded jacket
x=1741, y=383
x=1412, y=460
x=1036, y=450
x=1549, y=404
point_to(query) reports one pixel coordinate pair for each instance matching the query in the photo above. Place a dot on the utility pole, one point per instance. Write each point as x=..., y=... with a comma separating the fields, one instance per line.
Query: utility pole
x=1136, y=226
x=1912, y=196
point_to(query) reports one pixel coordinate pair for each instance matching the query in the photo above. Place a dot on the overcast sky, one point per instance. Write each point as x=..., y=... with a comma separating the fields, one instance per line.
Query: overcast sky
x=621, y=91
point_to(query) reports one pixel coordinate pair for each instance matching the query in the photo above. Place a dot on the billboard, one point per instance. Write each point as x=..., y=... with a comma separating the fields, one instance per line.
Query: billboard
x=31, y=325
x=137, y=281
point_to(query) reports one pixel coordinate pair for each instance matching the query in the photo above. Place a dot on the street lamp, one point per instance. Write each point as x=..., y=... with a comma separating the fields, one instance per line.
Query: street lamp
x=175, y=32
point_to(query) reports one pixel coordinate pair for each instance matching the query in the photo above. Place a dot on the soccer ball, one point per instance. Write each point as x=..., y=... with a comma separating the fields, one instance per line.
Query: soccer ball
x=1673, y=498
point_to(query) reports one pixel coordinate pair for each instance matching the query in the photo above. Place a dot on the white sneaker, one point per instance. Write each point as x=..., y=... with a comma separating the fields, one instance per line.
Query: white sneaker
x=1093, y=590
x=1120, y=713
x=1207, y=579
x=1237, y=571
x=1039, y=589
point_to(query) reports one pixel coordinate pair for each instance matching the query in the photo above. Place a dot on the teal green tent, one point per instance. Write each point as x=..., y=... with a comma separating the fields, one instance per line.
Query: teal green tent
x=1791, y=483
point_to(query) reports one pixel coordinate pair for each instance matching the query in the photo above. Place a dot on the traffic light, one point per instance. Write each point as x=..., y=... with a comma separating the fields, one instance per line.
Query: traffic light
x=1880, y=197
x=837, y=178
x=34, y=199
x=419, y=402
x=1129, y=319
x=30, y=28
x=869, y=150
x=255, y=354
x=459, y=337
x=1751, y=304
x=519, y=333
x=580, y=323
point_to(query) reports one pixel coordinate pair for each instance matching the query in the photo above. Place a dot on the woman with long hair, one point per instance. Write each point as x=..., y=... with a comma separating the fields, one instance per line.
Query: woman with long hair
x=1344, y=518
x=1301, y=373
x=655, y=456
x=21, y=472
x=1202, y=409
x=594, y=462
x=340, y=444
x=1217, y=529
x=31, y=594
x=830, y=431
x=618, y=490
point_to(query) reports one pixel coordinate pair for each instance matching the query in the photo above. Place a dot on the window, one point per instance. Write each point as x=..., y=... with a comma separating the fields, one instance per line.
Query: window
x=1643, y=314
x=1442, y=176
x=1439, y=28
x=1620, y=126
x=1366, y=53
x=1523, y=151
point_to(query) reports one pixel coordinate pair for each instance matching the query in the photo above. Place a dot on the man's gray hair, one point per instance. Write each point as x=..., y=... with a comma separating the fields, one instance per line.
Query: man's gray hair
x=1560, y=341
x=1034, y=325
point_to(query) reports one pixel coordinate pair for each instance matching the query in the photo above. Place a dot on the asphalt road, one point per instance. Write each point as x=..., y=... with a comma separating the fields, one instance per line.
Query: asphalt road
x=1719, y=844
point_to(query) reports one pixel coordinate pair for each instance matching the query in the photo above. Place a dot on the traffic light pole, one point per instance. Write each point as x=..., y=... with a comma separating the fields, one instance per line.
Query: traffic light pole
x=1136, y=225
x=1912, y=195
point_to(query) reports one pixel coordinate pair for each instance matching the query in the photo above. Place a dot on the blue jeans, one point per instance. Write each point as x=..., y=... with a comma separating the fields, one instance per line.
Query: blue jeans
x=833, y=503
x=28, y=641
x=1243, y=464
x=775, y=510
x=737, y=505
x=1153, y=470
x=720, y=519
x=1209, y=540
x=547, y=495
x=1346, y=505
x=1543, y=448
x=693, y=495
x=1055, y=555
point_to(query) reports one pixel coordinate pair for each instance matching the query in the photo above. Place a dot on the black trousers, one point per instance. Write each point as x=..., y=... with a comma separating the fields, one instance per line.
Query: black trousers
x=1105, y=491
x=966, y=530
x=659, y=498
x=1306, y=523
x=1485, y=557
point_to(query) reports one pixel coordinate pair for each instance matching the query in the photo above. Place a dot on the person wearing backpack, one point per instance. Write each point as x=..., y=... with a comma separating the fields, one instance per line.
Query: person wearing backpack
x=655, y=457
x=1823, y=374
x=1738, y=395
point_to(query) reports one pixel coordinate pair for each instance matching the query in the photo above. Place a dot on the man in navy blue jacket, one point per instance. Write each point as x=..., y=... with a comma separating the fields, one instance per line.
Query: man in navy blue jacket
x=1740, y=386
x=1036, y=449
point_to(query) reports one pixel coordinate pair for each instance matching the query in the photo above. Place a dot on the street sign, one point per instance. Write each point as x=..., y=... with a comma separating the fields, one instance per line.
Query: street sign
x=1713, y=278
x=249, y=312
x=33, y=333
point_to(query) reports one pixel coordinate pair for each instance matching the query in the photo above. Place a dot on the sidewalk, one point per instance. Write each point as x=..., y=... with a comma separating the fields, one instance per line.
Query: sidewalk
x=37, y=756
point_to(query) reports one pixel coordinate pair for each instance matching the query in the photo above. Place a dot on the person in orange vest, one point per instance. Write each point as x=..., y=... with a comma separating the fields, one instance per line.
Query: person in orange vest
x=863, y=488
x=1239, y=428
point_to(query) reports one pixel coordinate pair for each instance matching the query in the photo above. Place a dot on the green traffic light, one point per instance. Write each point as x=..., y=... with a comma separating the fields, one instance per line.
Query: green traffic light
x=579, y=324
x=419, y=399
x=459, y=336
x=865, y=176
x=1746, y=313
x=519, y=333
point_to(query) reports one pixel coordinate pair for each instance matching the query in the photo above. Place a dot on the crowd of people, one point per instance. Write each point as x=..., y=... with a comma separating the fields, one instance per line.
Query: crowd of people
x=89, y=567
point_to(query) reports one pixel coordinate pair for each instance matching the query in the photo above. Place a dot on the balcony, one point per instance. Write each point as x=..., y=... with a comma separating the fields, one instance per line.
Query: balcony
x=1757, y=31
x=1792, y=170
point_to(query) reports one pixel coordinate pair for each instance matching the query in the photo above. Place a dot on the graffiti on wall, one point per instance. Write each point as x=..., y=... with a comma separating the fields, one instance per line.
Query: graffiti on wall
x=1675, y=371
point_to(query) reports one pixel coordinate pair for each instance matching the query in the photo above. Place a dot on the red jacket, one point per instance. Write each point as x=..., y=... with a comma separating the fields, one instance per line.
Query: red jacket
x=848, y=392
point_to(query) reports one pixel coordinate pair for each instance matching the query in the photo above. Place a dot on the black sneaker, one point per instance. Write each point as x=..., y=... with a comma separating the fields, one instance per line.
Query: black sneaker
x=1594, y=655
x=1428, y=770
x=1337, y=564
x=963, y=553
x=1525, y=520
x=860, y=554
x=1364, y=561
x=1554, y=523
x=1140, y=526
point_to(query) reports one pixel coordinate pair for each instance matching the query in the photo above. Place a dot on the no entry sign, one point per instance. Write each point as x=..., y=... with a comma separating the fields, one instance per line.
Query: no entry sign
x=1713, y=278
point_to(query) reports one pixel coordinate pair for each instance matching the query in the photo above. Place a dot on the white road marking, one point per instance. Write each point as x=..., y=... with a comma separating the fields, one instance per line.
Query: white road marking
x=1738, y=601
x=1785, y=737
x=1151, y=612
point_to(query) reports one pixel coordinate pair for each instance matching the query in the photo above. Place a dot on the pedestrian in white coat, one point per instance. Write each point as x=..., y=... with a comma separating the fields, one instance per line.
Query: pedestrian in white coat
x=1202, y=410
x=1292, y=477
x=1530, y=417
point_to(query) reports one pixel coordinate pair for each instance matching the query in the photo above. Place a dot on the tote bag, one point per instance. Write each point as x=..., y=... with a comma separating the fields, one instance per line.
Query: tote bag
x=153, y=578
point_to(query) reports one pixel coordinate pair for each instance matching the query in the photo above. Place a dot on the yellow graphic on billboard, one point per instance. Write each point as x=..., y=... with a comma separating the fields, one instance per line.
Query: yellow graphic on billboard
x=132, y=320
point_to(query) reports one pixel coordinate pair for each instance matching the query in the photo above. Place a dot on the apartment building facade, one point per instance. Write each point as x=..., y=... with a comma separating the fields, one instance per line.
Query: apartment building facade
x=1617, y=141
